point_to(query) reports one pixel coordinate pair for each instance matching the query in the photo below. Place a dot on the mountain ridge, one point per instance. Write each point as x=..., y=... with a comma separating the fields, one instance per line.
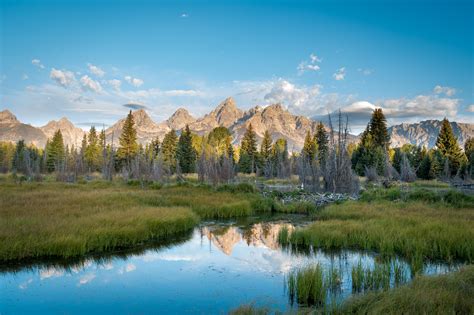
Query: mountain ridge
x=275, y=118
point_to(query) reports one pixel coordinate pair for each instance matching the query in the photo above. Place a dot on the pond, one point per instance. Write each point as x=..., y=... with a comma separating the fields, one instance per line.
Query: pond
x=216, y=268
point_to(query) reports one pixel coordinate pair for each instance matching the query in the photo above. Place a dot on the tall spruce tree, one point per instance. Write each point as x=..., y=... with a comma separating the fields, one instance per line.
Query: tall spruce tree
x=322, y=143
x=185, y=153
x=266, y=146
x=55, y=151
x=469, y=151
x=248, y=151
x=93, y=150
x=309, y=148
x=378, y=129
x=448, y=146
x=168, y=149
x=128, y=141
x=18, y=162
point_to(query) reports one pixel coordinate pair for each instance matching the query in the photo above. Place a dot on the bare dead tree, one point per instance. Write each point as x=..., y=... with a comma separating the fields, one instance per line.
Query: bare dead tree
x=407, y=173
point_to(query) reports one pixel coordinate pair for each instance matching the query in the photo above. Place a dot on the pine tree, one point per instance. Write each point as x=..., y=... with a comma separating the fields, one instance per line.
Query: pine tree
x=378, y=129
x=93, y=150
x=248, y=151
x=55, y=151
x=309, y=148
x=448, y=146
x=18, y=162
x=218, y=139
x=266, y=146
x=128, y=141
x=168, y=149
x=185, y=153
x=155, y=147
x=322, y=143
x=469, y=151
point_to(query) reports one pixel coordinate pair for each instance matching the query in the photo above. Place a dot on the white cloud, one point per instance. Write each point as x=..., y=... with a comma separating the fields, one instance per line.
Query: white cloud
x=115, y=84
x=340, y=74
x=312, y=65
x=37, y=62
x=62, y=77
x=448, y=91
x=95, y=70
x=134, y=81
x=289, y=94
x=89, y=84
x=25, y=77
x=184, y=15
x=470, y=108
x=51, y=272
x=25, y=284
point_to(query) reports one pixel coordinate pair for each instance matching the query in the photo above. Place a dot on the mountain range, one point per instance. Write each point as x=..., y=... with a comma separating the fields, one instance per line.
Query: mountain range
x=274, y=118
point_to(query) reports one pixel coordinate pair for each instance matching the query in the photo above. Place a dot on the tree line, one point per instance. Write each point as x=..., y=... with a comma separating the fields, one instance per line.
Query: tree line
x=327, y=161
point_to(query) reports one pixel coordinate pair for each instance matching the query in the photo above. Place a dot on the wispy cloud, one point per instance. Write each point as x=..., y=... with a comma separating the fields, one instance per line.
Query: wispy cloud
x=88, y=84
x=134, y=81
x=446, y=90
x=311, y=65
x=62, y=77
x=95, y=70
x=37, y=63
x=340, y=74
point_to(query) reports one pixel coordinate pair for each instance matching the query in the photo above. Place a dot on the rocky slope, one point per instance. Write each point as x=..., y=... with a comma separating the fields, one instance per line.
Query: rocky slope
x=425, y=133
x=11, y=129
x=71, y=134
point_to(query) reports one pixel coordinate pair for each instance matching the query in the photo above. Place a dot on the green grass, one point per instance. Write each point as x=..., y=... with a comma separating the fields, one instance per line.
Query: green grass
x=445, y=294
x=307, y=286
x=50, y=219
x=417, y=230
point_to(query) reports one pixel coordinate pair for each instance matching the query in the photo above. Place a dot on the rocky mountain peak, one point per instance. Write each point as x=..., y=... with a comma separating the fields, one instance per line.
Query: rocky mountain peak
x=6, y=117
x=180, y=119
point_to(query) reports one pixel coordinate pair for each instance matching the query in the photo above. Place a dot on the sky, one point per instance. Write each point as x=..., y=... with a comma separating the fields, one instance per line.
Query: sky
x=87, y=60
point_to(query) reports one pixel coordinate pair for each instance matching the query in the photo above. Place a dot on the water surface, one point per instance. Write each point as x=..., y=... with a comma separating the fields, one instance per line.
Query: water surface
x=220, y=266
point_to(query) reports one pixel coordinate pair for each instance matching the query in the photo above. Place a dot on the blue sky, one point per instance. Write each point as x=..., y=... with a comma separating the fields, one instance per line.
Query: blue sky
x=85, y=59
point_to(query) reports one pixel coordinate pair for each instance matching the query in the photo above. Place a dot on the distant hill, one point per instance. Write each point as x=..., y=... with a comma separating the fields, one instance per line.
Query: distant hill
x=274, y=118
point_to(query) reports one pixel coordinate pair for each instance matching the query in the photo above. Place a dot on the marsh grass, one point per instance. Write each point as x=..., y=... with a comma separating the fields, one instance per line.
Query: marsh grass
x=66, y=220
x=443, y=294
x=417, y=230
x=307, y=286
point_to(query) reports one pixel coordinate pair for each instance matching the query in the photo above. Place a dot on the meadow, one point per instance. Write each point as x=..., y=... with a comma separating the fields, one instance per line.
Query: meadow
x=50, y=219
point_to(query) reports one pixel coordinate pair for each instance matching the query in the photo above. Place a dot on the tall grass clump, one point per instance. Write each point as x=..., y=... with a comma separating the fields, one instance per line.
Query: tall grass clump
x=443, y=294
x=306, y=286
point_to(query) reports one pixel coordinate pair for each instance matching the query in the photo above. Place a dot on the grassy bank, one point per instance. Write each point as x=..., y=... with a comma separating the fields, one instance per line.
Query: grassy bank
x=419, y=227
x=445, y=294
x=69, y=220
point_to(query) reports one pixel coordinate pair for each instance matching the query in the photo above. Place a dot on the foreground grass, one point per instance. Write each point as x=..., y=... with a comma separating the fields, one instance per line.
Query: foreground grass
x=446, y=294
x=69, y=220
x=417, y=229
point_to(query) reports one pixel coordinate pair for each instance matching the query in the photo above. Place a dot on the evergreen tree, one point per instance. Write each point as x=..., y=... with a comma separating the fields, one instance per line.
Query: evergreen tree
x=469, y=151
x=322, y=143
x=448, y=146
x=378, y=129
x=18, y=163
x=266, y=146
x=128, y=141
x=309, y=148
x=248, y=151
x=55, y=151
x=93, y=150
x=425, y=167
x=185, y=153
x=168, y=149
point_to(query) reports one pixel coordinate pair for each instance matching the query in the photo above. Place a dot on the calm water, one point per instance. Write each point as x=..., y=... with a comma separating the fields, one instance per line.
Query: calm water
x=218, y=267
